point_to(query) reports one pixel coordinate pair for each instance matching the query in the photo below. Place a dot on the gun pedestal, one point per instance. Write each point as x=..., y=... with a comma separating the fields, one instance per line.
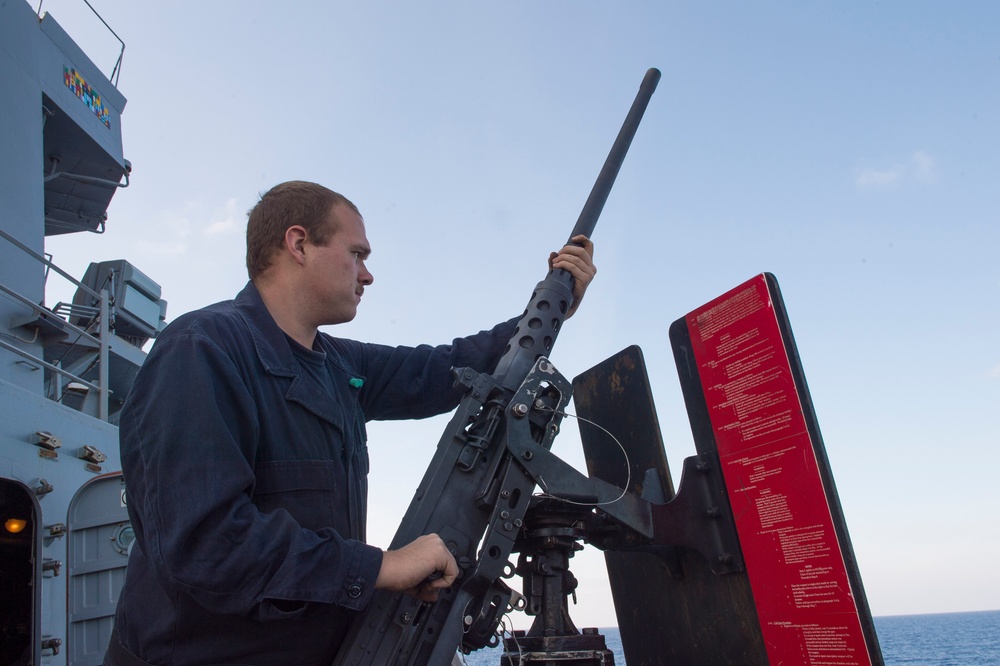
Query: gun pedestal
x=549, y=539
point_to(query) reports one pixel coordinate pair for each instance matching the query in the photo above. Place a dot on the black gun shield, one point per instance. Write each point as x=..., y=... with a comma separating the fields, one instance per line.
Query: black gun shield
x=688, y=616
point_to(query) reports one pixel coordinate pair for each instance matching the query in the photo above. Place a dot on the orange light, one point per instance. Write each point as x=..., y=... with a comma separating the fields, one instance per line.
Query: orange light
x=15, y=525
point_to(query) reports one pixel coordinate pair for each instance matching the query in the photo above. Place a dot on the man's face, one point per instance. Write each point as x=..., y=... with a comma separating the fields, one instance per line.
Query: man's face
x=337, y=272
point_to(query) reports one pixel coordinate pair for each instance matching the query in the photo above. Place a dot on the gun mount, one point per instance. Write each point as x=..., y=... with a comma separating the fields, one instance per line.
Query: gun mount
x=552, y=534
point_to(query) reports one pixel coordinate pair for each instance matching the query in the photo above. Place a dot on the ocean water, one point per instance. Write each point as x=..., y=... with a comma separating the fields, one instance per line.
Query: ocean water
x=946, y=639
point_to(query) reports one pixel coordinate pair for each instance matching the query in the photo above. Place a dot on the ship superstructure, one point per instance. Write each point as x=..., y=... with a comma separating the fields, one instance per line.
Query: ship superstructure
x=64, y=367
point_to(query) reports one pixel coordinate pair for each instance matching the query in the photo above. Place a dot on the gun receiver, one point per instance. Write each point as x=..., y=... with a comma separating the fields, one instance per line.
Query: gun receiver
x=476, y=488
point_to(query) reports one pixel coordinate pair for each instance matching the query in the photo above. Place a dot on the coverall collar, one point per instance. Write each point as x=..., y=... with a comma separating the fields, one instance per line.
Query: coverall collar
x=277, y=358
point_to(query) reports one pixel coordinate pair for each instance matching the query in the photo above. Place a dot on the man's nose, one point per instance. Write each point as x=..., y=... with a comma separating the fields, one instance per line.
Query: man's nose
x=365, y=277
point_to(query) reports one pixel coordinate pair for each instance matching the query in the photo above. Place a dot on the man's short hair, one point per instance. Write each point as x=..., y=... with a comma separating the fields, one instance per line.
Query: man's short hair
x=296, y=202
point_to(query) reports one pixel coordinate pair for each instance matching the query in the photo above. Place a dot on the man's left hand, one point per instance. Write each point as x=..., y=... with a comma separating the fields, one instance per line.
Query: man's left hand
x=577, y=258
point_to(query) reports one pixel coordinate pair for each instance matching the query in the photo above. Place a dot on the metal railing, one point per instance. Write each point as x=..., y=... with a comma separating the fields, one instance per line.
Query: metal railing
x=117, y=70
x=102, y=340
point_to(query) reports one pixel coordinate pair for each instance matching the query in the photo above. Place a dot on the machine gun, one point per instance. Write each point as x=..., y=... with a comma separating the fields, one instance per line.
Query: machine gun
x=478, y=487
x=760, y=491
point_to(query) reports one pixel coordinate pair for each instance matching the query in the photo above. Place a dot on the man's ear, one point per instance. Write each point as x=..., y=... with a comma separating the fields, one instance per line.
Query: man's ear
x=295, y=242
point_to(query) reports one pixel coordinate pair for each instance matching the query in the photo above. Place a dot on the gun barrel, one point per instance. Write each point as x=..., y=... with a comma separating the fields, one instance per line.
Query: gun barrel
x=553, y=297
x=602, y=187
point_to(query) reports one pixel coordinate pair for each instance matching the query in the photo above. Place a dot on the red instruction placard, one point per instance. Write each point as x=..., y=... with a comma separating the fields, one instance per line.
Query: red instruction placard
x=798, y=575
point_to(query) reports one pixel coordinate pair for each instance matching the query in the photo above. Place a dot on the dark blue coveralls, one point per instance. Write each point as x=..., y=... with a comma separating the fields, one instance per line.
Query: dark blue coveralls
x=245, y=463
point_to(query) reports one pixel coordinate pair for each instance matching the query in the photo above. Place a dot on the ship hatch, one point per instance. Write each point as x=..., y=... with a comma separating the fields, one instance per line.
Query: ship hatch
x=99, y=539
x=18, y=572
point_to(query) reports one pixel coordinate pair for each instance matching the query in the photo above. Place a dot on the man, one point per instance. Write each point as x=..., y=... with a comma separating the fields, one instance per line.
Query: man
x=245, y=457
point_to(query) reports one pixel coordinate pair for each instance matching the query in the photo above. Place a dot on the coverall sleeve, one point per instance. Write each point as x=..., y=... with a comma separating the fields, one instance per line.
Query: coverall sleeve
x=416, y=382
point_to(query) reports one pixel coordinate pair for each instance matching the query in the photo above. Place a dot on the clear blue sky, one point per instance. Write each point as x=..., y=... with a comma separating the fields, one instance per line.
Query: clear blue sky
x=852, y=149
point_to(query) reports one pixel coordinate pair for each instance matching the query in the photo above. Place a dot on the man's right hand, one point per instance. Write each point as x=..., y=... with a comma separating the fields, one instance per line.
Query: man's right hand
x=422, y=568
